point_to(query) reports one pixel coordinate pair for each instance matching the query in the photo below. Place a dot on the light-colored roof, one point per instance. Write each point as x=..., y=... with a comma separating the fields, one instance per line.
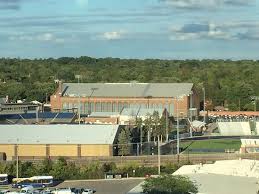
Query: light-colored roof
x=127, y=89
x=141, y=111
x=234, y=128
x=222, y=177
x=57, y=134
x=233, y=176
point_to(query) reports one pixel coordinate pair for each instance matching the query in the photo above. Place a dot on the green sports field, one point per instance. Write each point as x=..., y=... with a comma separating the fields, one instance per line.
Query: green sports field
x=211, y=145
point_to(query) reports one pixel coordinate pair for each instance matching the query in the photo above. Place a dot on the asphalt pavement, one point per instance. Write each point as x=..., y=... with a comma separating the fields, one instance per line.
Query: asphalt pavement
x=114, y=186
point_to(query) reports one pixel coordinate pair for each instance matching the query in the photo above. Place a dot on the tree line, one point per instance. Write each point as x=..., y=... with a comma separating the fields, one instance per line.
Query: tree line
x=61, y=169
x=227, y=83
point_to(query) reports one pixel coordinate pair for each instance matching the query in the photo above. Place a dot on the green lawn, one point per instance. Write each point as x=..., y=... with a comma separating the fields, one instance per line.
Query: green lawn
x=213, y=144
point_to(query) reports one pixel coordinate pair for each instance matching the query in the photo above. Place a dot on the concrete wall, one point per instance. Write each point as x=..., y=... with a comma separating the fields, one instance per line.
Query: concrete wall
x=9, y=150
x=63, y=150
x=73, y=150
x=96, y=150
x=31, y=150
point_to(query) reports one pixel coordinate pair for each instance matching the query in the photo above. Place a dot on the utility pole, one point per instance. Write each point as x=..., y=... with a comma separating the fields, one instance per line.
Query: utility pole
x=79, y=105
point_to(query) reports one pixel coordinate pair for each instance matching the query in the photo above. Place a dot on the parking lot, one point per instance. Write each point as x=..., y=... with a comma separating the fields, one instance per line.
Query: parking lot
x=116, y=186
x=103, y=186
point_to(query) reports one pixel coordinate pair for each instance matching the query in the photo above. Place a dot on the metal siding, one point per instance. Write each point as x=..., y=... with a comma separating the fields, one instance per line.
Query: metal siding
x=128, y=89
x=57, y=134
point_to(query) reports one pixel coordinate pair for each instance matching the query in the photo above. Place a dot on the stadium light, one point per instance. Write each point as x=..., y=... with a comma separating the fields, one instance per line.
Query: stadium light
x=204, y=105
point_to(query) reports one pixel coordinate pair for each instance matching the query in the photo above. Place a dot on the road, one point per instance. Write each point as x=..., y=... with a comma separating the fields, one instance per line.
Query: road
x=116, y=186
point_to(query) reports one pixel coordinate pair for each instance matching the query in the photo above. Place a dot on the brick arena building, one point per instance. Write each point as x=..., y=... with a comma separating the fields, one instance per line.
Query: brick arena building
x=114, y=97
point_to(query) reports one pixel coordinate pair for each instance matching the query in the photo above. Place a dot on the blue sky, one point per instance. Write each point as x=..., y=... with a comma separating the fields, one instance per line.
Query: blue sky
x=166, y=29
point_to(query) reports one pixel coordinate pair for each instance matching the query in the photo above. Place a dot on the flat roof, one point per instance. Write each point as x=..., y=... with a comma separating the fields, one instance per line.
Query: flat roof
x=127, y=89
x=222, y=177
x=58, y=134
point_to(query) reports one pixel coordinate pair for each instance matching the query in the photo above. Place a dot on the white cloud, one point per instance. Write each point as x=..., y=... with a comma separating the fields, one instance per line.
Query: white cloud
x=45, y=37
x=113, y=35
x=204, y=4
x=193, y=3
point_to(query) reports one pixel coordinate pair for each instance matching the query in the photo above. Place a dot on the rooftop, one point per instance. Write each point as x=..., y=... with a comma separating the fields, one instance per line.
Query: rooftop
x=58, y=134
x=127, y=89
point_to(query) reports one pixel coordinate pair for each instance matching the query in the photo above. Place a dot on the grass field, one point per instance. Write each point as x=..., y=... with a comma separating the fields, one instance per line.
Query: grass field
x=213, y=145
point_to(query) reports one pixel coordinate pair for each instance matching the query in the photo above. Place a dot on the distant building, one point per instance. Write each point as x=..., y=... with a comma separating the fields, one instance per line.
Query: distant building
x=102, y=118
x=18, y=108
x=41, y=141
x=114, y=97
x=129, y=115
x=125, y=117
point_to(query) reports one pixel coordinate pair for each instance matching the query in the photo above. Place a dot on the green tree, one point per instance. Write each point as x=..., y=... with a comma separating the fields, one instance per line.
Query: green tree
x=124, y=142
x=59, y=169
x=156, y=129
x=148, y=122
x=27, y=169
x=169, y=184
x=139, y=125
x=45, y=167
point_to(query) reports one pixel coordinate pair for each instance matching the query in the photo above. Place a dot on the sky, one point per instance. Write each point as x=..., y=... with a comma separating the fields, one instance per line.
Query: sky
x=161, y=29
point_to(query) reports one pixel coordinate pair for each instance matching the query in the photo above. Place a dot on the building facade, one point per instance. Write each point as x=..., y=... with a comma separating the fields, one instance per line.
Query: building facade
x=41, y=141
x=114, y=97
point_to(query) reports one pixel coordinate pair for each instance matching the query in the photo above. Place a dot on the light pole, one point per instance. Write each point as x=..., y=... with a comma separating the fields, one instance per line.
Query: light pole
x=204, y=106
x=177, y=128
x=191, y=96
x=17, y=160
x=166, y=125
x=255, y=98
x=92, y=89
x=158, y=154
x=79, y=108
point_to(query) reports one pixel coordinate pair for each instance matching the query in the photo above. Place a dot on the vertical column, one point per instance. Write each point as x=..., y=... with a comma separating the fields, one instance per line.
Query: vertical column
x=79, y=151
x=16, y=150
x=47, y=150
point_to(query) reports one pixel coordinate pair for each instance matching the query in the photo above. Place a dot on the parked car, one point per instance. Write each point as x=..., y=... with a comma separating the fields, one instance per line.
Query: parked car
x=63, y=191
x=83, y=191
x=4, y=191
x=27, y=189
